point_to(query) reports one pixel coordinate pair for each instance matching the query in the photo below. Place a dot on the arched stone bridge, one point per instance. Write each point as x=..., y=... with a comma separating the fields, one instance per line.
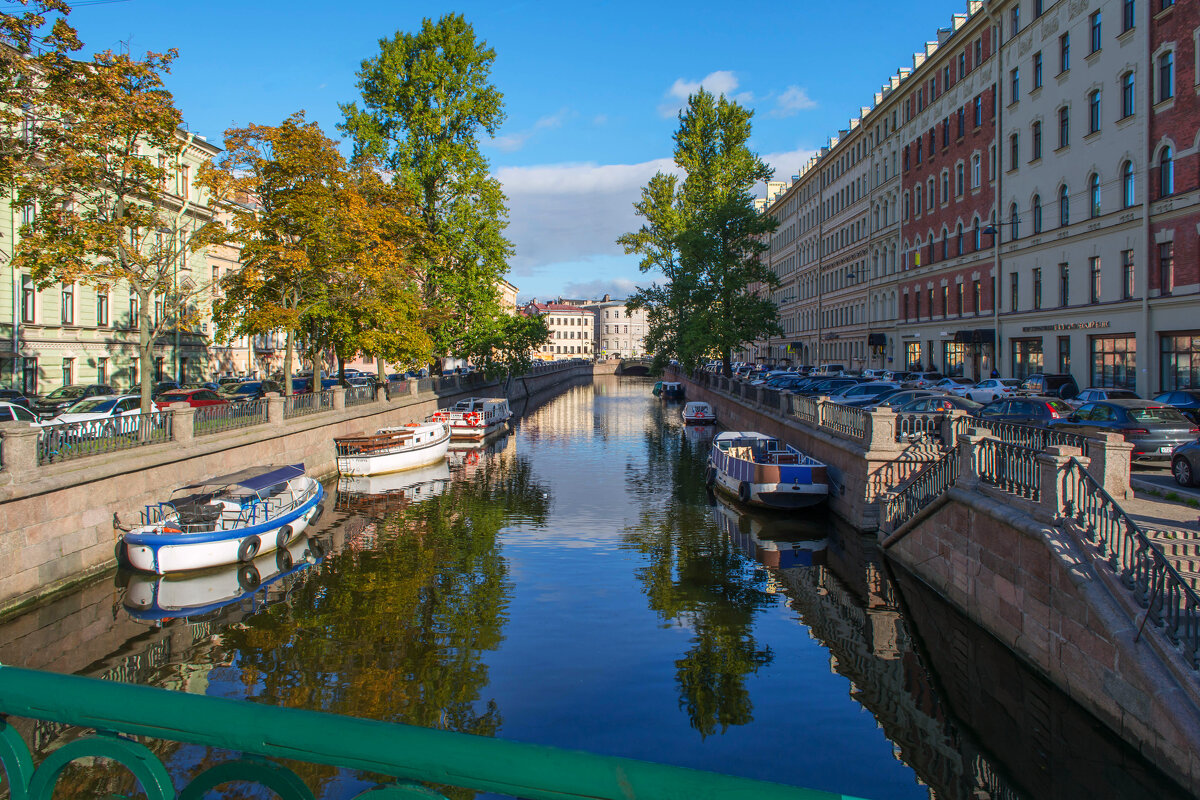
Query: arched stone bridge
x=634, y=366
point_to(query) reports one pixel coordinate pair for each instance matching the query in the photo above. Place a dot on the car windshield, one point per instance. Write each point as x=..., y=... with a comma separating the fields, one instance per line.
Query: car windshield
x=94, y=405
x=1012, y=382
x=65, y=393
x=243, y=388
x=173, y=397
x=1061, y=407
x=1121, y=394
x=1156, y=414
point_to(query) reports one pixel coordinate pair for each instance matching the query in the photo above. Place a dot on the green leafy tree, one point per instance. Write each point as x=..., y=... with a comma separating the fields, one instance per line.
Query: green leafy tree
x=708, y=240
x=506, y=343
x=426, y=98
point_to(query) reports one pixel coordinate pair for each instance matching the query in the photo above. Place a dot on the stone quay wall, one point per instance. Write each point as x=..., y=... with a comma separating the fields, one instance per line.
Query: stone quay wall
x=57, y=520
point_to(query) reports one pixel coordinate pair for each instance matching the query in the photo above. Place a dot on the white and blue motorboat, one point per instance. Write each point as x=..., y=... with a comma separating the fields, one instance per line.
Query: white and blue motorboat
x=759, y=470
x=225, y=520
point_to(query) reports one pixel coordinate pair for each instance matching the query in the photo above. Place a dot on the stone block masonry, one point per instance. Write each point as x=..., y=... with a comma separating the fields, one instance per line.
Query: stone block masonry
x=57, y=520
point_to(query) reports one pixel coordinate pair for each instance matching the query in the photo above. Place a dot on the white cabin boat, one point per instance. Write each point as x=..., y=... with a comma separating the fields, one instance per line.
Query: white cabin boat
x=697, y=412
x=475, y=418
x=417, y=444
x=760, y=470
x=225, y=520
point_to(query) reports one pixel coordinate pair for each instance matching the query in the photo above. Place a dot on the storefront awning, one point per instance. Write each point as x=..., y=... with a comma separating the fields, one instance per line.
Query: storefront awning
x=876, y=340
x=975, y=336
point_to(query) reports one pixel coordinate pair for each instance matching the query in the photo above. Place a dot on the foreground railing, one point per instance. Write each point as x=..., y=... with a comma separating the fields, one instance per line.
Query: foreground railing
x=297, y=405
x=1032, y=436
x=847, y=420
x=65, y=441
x=919, y=426
x=410, y=755
x=227, y=417
x=1009, y=467
x=922, y=489
x=1140, y=564
x=357, y=395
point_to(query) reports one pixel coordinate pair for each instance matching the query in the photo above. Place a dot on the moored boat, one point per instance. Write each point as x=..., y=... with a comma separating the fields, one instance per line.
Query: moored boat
x=671, y=390
x=760, y=470
x=473, y=419
x=393, y=449
x=697, y=412
x=225, y=520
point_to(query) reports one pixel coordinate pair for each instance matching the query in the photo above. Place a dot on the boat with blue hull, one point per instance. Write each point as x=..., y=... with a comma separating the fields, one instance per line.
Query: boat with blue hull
x=759, y=470
x=225, y=520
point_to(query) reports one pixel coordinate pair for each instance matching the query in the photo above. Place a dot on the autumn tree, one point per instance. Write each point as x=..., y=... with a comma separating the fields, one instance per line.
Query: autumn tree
x=426, y=98
x=707, y=238
x=109, y=195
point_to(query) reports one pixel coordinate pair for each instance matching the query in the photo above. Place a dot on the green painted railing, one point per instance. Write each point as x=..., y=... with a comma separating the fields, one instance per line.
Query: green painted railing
x=413, y=756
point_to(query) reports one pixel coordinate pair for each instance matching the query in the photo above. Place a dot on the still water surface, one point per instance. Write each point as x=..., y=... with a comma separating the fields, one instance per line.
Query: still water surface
x=574, y=584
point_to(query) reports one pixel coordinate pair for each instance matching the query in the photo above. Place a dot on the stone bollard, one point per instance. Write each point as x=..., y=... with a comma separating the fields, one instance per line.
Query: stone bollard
x=20, y=444
x=381, y=394
x=820, y=401
x=950, y=423
x=881, y=430
x=275, y=405
x=413, y=386
x=1109, y=454
x=1053, y=461
x=968, y=465
x=339, y=398
x=183, y=423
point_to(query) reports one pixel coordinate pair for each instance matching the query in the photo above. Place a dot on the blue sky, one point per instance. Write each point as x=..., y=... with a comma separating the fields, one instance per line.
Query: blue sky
x=591, y=90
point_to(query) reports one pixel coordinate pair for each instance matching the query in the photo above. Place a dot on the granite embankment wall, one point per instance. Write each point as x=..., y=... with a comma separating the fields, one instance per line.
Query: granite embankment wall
x=57, y=520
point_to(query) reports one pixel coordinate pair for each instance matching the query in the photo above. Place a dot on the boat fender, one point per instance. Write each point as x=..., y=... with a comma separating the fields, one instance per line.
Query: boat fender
x=316, y=549
x=744, y=492
x=710, y=476
x=248, y=577
x=319, y=512
x=283, y=560
x=248, y=548
x=283, y=537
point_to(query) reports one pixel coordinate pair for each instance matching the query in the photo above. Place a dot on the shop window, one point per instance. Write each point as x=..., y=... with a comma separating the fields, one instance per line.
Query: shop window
x=1114, y=362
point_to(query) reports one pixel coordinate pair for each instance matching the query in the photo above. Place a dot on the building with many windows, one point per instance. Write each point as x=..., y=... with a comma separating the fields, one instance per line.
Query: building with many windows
x=571, y=330
x=619, y=333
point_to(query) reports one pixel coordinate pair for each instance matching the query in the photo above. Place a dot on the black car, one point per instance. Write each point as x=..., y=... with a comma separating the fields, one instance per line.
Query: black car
x=1051, y=384
x=1185, y=463
x=1186, y=400
x=1026, y=410
x=60, y=400
x=249, y=390
x=1154, y=429
x=14, y=397
x=828, y=386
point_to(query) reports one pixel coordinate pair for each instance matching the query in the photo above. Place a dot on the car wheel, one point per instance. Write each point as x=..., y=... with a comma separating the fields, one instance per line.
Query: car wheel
x=1181, y=468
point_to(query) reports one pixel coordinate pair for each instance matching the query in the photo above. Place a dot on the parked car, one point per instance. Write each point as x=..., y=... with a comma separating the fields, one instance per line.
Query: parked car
x=164, y=386
x=106, y=411
x=250, y=390
x=1051, y=384
x=829, y=370
x=193, y=397
x=828, y=386
x=60, y=400
x=216, y=387
x=863, y=393
x=898, y=398
x=991, y=389
x=954, y=385
x=1185, y=463
x=11, y=412
x=14, y=397
x=1031, y=410
x=1154, y=429
x=1100, y=395
x=874, y=374
x=1186, y=400
x=922, y=380
x=939, y=404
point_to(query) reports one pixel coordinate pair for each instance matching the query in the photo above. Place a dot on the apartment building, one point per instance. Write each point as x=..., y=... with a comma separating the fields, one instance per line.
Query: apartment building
x=619, y=333
x=571, y=330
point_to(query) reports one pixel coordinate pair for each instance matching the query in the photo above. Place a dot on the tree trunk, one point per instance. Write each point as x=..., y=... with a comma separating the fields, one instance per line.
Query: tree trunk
x=287, y=366
x=145, y=350
x=380, y=375
x=341, y=367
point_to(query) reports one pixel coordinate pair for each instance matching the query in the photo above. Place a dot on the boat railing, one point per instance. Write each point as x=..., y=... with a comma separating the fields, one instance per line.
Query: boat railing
x=65, y=441
x=370, y=445
x=229, y=416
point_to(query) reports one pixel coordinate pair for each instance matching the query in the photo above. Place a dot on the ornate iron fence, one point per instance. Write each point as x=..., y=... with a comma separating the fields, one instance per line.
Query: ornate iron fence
x=847, y=420
x=65, y=441
x=419, y=762
x=919, y=426
x=1032, y=436
x=805, y=408
x=213, y=419
x=735, y=388
x=1010, y=467
x=397, y=388
x=922, y=489
x=1139, y=563
x=299, y=405
x=769, y=397
x=357, y=395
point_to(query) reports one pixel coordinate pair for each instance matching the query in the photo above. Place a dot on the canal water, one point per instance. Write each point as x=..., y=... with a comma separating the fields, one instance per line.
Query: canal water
x=575, y=584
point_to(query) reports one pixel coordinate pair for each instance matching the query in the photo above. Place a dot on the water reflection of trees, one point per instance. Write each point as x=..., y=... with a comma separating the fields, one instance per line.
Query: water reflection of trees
x=695, y=577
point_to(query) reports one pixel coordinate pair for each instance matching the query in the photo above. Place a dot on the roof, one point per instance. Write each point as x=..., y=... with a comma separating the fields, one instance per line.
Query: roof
x=559, y=307
x=254, y=478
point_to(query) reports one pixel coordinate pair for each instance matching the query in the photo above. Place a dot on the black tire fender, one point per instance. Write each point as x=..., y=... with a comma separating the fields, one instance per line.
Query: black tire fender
x=283, y=559
x=710, y=476
x=248, y=577
x=283, y=537
x=744, y=492
x=248, y=549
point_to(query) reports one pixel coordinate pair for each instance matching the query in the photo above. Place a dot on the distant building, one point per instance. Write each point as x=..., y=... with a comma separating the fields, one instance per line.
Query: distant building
x=619, y=333
x=571, y=330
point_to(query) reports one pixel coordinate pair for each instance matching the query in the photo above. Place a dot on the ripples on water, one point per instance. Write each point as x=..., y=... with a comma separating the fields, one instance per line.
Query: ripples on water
x=574, y=584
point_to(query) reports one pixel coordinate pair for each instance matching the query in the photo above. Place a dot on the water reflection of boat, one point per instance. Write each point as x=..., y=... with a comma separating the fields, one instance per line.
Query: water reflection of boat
x=378, y=492
x=774, y=540
x=699, y=433
x=191, y=594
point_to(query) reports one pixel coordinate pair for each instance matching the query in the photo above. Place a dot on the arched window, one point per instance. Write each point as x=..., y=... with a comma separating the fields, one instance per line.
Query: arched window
x=976, y=171
x=958, y=180
x=945, y=244
x=978, y=241
x=960, y=239
x=1037, y=213
x=1166, y=173
x=1064, y=206
x=1094, y=195
x=1014, y=221
x=1127, y=196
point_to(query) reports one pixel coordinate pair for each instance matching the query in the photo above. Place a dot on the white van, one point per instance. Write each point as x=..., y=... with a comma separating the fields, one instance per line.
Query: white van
x=828, y=370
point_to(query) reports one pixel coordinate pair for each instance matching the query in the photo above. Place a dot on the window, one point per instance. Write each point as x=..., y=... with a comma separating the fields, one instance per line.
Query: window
x=1127, y=15
x=102, y=310
x=1094, y=269
x=1064, y=206
x=1180, y=357
x=962, y=64
x=1015, y=23
x=1127, y=277
x=1014, y=222
x=959, y=291
x=28, y=300
x=976, y=177
x=1064, y=126
x=959, y=176
x=918, y=150
x=1095, y=30
x=101, y=370
x=1026, y=357
x=1127, y=193
x=1166, y=267
x=978, y=241
x=1114, y=362
x=1064, y=52
x=978, y=52
x=1038, y=8
x=945, y=301
x=1013, y=289
x=945, y=186
x=945, y=244
x=68, y=371
x=978, y=120
x=133, y=312
x=1014, y=150
x=1037, y=213
x=1094, y=195
x=1037, y=70
x=1037, y=142
x=133, y=372
x=68, y=304
x=185, y=181
x=29, y=376
x=1064, y=285
x=1064, y=354
x=962, y=123
x=960, y=239
x=976, y=296
x=1094, y=111
x=1166, y=173
x=1166, y=75
x=946, y=132
x=929, y=297
x=1037, y=288
x=1014, y=83
x=159, y=365
x=1127, y=95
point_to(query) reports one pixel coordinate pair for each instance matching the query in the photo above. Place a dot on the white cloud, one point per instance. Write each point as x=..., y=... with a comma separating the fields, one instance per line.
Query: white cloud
x=517, y=140
x=719, y=82
x=618, y=288
x=794, y=100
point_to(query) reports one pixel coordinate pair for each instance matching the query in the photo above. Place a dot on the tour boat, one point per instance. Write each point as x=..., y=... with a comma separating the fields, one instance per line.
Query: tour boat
x=762, y=471
x=671, y=390
x=473, y=419
x=698, y=412
x=151, y=598
x=393, y=449
x=225, y=520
